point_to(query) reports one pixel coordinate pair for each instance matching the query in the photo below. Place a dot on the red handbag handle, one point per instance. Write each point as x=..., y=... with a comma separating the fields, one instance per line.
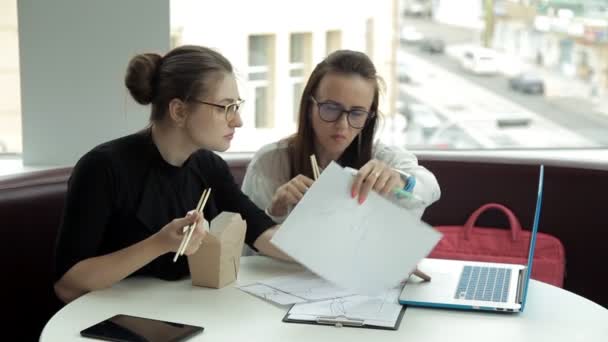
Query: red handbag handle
x=513, y=221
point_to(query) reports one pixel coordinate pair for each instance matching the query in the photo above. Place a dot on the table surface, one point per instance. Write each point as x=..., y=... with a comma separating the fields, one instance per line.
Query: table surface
x=229, y=314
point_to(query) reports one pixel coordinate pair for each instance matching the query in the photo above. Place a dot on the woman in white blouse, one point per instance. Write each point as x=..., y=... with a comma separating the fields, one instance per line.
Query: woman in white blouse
x=344, y=83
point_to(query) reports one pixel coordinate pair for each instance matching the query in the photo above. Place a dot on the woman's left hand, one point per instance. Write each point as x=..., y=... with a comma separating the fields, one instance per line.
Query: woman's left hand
x=376, y=175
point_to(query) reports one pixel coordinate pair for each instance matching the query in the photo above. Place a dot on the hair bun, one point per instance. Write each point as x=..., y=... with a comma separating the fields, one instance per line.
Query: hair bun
x=141, y=76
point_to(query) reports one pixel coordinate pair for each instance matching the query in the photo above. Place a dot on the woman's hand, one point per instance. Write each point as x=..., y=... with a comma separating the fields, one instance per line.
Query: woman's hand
x=289, y=194
x=170, y=236
x=378, y=176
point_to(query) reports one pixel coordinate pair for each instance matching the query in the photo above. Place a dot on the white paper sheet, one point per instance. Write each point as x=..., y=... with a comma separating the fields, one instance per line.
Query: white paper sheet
x=365, y=248
x=306, y=285
x=273, y=295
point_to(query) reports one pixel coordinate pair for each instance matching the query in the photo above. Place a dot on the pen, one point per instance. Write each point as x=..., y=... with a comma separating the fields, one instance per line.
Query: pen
x=422, y=275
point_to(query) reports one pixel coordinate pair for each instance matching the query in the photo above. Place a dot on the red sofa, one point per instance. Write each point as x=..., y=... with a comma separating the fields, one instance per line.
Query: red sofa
x=574, y=210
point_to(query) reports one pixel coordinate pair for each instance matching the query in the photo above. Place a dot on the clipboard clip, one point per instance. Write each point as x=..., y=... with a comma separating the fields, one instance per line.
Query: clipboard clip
x=340, y=321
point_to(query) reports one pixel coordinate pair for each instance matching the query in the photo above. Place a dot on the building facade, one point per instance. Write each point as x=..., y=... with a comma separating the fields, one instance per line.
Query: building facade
x=274, y=45
x=570, y=37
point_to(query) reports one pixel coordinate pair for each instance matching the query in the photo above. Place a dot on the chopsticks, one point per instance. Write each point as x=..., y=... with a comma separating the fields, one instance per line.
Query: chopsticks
x=190, y=229
x=315, y=166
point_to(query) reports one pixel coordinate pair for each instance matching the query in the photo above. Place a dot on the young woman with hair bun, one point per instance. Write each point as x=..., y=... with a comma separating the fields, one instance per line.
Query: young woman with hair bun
x=128, y=199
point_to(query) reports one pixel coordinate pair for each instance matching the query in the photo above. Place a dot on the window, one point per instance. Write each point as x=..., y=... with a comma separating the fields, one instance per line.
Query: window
x=297, y=97
x=544, y=61
x=176, y=37
x=547, y=75
x=333, y=41
x=261, y=78
x=10, y=95
x=299, y=65
x=522, y=75
x=261, y=107
x=369, y=37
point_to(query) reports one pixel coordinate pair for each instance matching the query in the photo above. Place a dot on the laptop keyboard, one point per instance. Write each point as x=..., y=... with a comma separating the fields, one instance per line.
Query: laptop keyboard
x=484, y=283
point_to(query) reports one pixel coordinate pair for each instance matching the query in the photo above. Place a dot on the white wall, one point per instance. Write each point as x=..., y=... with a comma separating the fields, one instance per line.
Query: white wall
x=73, y=57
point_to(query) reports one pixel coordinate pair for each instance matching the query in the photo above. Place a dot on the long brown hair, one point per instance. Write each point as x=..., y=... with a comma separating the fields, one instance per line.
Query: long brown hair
x=359, y=152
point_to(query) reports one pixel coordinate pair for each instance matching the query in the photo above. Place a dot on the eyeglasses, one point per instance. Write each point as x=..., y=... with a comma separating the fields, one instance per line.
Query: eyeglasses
x=230, y=110
x=332, y=112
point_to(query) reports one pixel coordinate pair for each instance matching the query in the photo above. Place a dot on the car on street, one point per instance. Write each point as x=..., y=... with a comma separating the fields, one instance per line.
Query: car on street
x=512, y=119
x=432, y=45
x=421, y=116
x=480, y=61
x=528, y=83
x=411, y=35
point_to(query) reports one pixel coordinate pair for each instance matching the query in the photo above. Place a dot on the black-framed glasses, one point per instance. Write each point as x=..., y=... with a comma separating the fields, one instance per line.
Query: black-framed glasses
x=332, y=112
x=230, y=110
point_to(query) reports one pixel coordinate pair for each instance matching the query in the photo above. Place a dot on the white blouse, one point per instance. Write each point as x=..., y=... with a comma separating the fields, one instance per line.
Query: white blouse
x=269, y=169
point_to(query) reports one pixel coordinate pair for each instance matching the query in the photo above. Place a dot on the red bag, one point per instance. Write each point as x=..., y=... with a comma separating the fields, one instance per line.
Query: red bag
x=500, y=245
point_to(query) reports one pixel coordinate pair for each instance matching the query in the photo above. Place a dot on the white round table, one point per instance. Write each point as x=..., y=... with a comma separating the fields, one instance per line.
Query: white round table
x=228, y=314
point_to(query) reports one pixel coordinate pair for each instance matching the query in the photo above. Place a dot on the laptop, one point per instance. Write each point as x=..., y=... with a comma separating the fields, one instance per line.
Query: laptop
x=470, y=285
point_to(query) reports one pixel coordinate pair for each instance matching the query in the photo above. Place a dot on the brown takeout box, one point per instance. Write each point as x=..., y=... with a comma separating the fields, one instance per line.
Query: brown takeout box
x=216, y=263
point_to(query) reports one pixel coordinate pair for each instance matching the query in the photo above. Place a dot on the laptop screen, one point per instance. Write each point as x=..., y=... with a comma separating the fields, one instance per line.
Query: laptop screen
x=539, y=200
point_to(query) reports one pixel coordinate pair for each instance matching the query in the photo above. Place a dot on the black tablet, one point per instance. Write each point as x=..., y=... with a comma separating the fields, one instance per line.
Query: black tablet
x=125, y=328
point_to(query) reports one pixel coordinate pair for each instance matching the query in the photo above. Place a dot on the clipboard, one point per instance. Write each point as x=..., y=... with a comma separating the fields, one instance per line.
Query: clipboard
x=343, y=321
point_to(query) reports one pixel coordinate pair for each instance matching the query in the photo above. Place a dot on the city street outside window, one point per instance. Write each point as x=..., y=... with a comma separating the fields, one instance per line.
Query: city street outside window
x=466, y=74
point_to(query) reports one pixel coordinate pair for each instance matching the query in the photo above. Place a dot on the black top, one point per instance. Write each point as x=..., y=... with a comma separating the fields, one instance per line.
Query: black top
x=123, y=191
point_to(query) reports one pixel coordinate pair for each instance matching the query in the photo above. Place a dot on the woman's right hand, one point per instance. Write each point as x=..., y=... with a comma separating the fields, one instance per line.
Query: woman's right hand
x=289, y=194
x=170, y=236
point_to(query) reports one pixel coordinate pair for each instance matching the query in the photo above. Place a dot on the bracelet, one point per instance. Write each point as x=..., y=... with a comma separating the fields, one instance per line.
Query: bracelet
x=410, y=183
